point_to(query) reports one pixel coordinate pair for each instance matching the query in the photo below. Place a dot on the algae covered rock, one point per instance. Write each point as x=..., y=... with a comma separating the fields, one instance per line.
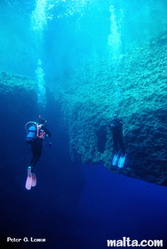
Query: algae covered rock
x=9, y=82
x=136, y=88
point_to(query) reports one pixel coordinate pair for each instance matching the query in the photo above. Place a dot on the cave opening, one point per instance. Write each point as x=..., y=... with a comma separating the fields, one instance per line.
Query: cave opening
x=102, y=138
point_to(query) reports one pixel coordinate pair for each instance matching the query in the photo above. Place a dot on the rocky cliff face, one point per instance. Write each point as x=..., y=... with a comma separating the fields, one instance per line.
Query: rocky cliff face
x=136, y=86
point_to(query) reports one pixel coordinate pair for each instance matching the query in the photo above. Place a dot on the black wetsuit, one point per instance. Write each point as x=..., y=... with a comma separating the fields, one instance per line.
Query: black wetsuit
x=116, y=127
x=36, y=148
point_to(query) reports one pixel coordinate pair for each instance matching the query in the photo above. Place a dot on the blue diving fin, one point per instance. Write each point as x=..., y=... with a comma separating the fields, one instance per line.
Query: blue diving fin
x=115, y=159
x=121, y=161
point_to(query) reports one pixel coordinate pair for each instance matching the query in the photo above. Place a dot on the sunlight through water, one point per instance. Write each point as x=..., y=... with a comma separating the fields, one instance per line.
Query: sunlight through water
x=38, y=25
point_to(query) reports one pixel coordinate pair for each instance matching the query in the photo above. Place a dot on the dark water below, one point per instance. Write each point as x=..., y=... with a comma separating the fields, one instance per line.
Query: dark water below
x=79, y=206
x=73, y=205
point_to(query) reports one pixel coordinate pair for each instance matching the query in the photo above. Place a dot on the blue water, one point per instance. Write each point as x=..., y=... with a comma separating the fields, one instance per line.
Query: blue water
x=80, y=206
x=115, y=206
x=73, y=205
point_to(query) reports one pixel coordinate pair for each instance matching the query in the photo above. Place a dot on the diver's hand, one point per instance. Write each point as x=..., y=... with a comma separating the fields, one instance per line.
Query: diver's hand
x=110, y=126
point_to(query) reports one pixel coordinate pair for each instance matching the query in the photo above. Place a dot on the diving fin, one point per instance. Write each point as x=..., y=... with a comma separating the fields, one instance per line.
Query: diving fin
x=29, y=179
x=34, y=180
x=115, y=159
x=121, y=161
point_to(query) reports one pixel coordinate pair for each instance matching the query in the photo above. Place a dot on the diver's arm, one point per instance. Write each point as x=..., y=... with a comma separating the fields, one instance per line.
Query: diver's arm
x=111, y=125
x=46, y=131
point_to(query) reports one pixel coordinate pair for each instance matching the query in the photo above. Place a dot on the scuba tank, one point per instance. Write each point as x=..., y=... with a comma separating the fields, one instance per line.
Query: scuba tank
x=31, y=134
x=34, y=130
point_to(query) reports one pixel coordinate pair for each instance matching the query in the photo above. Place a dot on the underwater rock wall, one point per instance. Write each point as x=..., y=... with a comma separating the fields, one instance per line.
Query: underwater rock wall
x=9, y=82
x=136, y=86
x=17, y=106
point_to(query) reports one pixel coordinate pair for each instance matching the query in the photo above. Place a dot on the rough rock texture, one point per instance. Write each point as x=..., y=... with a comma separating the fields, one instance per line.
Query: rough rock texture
x=136, y=86
x=18, y=103
x=8, y=82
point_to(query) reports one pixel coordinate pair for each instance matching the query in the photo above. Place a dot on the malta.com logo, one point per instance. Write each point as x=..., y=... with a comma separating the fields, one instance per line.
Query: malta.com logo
x=127, y=242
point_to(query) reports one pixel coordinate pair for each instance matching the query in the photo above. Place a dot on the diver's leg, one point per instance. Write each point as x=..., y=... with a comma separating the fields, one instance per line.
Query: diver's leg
x=121, y=143
x=115, y=143
x=35, y=160
x=36, y=151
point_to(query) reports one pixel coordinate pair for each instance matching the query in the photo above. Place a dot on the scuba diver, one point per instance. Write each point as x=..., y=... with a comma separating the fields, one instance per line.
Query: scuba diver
x=35, y=137
x=116, y=126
